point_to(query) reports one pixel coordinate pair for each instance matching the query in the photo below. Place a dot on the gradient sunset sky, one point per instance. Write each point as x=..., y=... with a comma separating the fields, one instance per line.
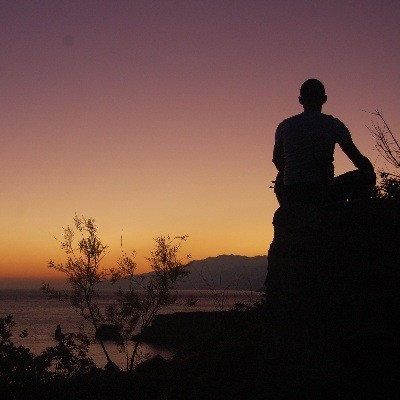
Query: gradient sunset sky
x=159, y=116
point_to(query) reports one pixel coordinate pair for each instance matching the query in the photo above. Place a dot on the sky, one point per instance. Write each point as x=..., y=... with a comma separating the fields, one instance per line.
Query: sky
x=158, y=117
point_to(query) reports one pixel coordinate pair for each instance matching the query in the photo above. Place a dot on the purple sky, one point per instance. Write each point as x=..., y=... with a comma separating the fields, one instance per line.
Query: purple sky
x=159, y=116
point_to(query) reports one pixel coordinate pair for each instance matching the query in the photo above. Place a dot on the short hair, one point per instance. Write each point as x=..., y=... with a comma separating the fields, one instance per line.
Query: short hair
x=312, y=91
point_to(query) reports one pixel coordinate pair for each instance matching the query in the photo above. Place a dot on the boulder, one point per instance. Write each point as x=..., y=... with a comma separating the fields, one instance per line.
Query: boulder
x=180, y=328
x=107, y=332
x=332, y=299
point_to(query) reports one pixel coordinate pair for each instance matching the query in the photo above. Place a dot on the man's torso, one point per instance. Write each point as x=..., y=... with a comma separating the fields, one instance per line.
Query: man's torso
x=308, y=142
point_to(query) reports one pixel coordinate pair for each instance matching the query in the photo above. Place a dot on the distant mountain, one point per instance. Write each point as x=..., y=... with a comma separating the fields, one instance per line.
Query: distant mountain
x=226, y=272
x=221, y=272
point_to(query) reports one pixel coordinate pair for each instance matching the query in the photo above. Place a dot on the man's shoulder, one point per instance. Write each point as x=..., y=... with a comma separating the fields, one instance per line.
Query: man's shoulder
x=332, y=119
x=328, y=121
x=290, y=121
x=337, y=125
x=295, y=119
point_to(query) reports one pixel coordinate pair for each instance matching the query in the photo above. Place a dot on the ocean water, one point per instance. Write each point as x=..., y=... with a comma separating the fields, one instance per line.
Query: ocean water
x=32, y=310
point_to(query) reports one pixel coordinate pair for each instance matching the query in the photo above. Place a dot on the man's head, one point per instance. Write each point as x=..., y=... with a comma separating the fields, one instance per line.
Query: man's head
x=312, y=94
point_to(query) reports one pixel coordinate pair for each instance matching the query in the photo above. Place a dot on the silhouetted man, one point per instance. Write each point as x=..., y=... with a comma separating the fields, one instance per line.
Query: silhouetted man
x=303, y=155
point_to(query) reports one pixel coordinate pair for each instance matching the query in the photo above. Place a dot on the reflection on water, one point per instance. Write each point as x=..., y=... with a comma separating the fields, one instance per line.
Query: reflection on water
x=31, y=309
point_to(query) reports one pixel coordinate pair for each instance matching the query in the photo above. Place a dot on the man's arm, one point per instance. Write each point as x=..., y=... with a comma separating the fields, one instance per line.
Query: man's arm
x=350, y=149
x=278, y=156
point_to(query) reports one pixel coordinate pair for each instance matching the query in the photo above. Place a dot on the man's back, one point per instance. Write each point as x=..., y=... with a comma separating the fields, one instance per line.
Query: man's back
x=303, y=155
x=307, y=142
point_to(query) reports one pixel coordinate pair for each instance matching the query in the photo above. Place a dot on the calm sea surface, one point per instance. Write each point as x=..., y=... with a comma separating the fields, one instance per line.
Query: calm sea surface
x=32, y=310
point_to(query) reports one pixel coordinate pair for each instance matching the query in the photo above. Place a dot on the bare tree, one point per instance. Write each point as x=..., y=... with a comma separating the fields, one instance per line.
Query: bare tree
x=386, y=143
x=137, y=306
x=83, y=272
x=389, y=148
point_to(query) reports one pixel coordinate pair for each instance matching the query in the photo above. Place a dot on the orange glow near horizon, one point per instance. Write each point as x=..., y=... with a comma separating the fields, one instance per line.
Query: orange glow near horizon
x=159, y=117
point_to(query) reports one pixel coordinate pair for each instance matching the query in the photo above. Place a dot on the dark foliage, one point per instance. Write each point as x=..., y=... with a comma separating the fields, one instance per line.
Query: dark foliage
x=19, y=368
x=388, y=187
x=69, y=357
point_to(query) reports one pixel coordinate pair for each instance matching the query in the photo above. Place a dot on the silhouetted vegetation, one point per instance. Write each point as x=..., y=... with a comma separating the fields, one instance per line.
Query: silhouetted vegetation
x=136, y=306
x=388, y=187
x=385, y=141
x=83, y=272
x=388, y=147
x=135, y=310
x=27, y=375
x=69, y=357
x=19, y=368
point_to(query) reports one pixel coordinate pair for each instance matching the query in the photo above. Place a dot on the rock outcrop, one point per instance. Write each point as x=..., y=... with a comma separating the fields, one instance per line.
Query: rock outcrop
x=182, y=328
x=332, y=300
x=107, y=332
